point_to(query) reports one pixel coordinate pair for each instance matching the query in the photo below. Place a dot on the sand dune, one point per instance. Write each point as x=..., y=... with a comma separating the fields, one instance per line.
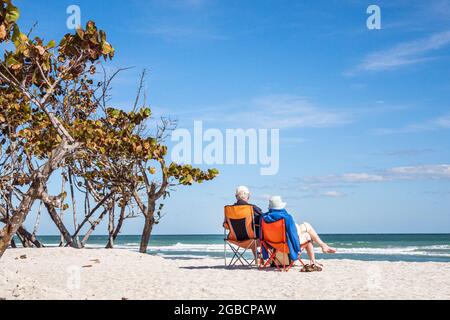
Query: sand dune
x=63, y=273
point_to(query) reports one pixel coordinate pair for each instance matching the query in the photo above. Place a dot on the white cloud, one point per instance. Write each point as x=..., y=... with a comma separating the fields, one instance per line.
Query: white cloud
x=334, y=194
x=293, y=140
x=441, y=171
x=442, y=122
x=168, y=32
x=423, y=172
x=275, y=111
x=346, y=178
x=407, y=152
x=262, y=197
x=290, y=111
x=331, y=186
x=361, y=177
x=406, y=53
x=181, y=4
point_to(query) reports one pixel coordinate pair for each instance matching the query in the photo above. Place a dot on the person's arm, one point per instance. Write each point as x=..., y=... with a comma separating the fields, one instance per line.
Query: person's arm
x=257, y=212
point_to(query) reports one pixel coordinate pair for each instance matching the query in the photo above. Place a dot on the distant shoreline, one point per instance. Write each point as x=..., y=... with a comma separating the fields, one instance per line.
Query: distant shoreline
x=221, y=234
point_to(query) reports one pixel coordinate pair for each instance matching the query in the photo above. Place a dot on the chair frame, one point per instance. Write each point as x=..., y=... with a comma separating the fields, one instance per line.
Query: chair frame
x=272, y=252
x=238, y=255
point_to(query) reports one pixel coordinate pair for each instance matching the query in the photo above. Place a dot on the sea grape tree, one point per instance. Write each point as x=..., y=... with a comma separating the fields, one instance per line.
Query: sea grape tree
x=55, y=118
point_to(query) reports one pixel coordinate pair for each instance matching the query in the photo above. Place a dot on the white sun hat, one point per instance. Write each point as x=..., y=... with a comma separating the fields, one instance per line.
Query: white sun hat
x=276, y=203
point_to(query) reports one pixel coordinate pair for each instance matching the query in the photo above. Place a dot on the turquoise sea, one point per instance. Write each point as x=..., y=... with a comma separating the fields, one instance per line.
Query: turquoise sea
x=391, y=247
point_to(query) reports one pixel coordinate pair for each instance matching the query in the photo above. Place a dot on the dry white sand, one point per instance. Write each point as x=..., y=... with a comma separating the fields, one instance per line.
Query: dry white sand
x=63, y=273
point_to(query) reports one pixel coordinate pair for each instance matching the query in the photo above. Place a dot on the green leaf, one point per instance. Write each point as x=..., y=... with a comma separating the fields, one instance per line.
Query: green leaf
x=12, y=13
x=11, y=61
x=51, y=44
x=18, y=37
x=147, y=112
x=106, y=48
x=113, y=113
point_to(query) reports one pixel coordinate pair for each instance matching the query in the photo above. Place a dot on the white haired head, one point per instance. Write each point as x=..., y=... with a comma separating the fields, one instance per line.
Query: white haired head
x=242, y=193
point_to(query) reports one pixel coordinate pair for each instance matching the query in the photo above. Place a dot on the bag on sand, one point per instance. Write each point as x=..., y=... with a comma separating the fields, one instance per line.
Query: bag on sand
x=282, y=259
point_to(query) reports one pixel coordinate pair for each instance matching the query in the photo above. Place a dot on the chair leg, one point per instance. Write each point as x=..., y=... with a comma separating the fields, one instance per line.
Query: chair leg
x=271, y=254
x=225, y=252
x=232, y=262
x=274, y=259
x=236, y=257
x=290, y=265
x=239, y=256
x=256, y=252
x=260, y=260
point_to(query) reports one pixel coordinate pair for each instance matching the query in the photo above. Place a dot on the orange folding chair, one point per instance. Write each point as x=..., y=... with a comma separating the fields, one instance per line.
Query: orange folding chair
x=275, y=243
x=240, y=224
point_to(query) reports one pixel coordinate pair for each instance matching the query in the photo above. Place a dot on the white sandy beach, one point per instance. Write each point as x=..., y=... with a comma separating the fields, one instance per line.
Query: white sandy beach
x=52, y=273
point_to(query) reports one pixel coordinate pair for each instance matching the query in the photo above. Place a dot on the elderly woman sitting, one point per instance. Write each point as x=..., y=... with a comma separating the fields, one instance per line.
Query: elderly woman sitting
x=306, y=233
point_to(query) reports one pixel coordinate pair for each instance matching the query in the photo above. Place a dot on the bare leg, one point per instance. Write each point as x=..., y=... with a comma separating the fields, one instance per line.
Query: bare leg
x=315, y=237
x=310, y=251
x=255, y=250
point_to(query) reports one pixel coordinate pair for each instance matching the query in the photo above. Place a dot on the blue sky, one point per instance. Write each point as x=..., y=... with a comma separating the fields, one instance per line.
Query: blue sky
x=364, y=115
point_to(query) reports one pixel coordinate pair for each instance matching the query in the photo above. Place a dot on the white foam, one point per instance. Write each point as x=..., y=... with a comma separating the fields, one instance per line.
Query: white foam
x=411, y=251
x=218, y=248
x=189, y=247
x=186, y=256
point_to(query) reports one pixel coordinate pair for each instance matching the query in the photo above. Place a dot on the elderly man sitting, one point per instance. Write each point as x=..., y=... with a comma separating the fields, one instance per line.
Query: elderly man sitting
x=242, y=198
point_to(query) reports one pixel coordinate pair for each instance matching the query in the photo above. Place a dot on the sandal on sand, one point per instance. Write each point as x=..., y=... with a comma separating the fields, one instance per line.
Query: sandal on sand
x=316, y=267
x=307, y=268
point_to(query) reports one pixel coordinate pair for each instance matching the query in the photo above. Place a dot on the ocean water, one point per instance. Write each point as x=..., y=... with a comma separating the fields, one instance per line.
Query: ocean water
x=368, y=247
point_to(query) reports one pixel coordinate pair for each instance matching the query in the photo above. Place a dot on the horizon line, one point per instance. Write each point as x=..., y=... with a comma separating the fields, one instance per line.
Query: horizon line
x=217, y=234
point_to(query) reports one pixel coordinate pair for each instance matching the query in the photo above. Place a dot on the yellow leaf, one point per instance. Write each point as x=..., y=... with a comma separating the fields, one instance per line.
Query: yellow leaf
x=41, y=50
x=2, y=32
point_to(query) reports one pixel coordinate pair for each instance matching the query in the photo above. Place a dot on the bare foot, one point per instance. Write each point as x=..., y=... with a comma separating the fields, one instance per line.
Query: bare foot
x=328, y=249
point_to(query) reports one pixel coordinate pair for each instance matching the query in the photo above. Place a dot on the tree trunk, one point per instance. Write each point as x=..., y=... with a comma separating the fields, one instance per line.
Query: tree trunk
x=60, y=225
x=22, y=240
x=92, y=229
x=146, y=233
x=36, y=189
x=90, y=214
x=110, y=229
x=148, y=227
x=17, y=219
x=119, y=223
x=30, y=238
x=118, y=227
x=24, y=234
